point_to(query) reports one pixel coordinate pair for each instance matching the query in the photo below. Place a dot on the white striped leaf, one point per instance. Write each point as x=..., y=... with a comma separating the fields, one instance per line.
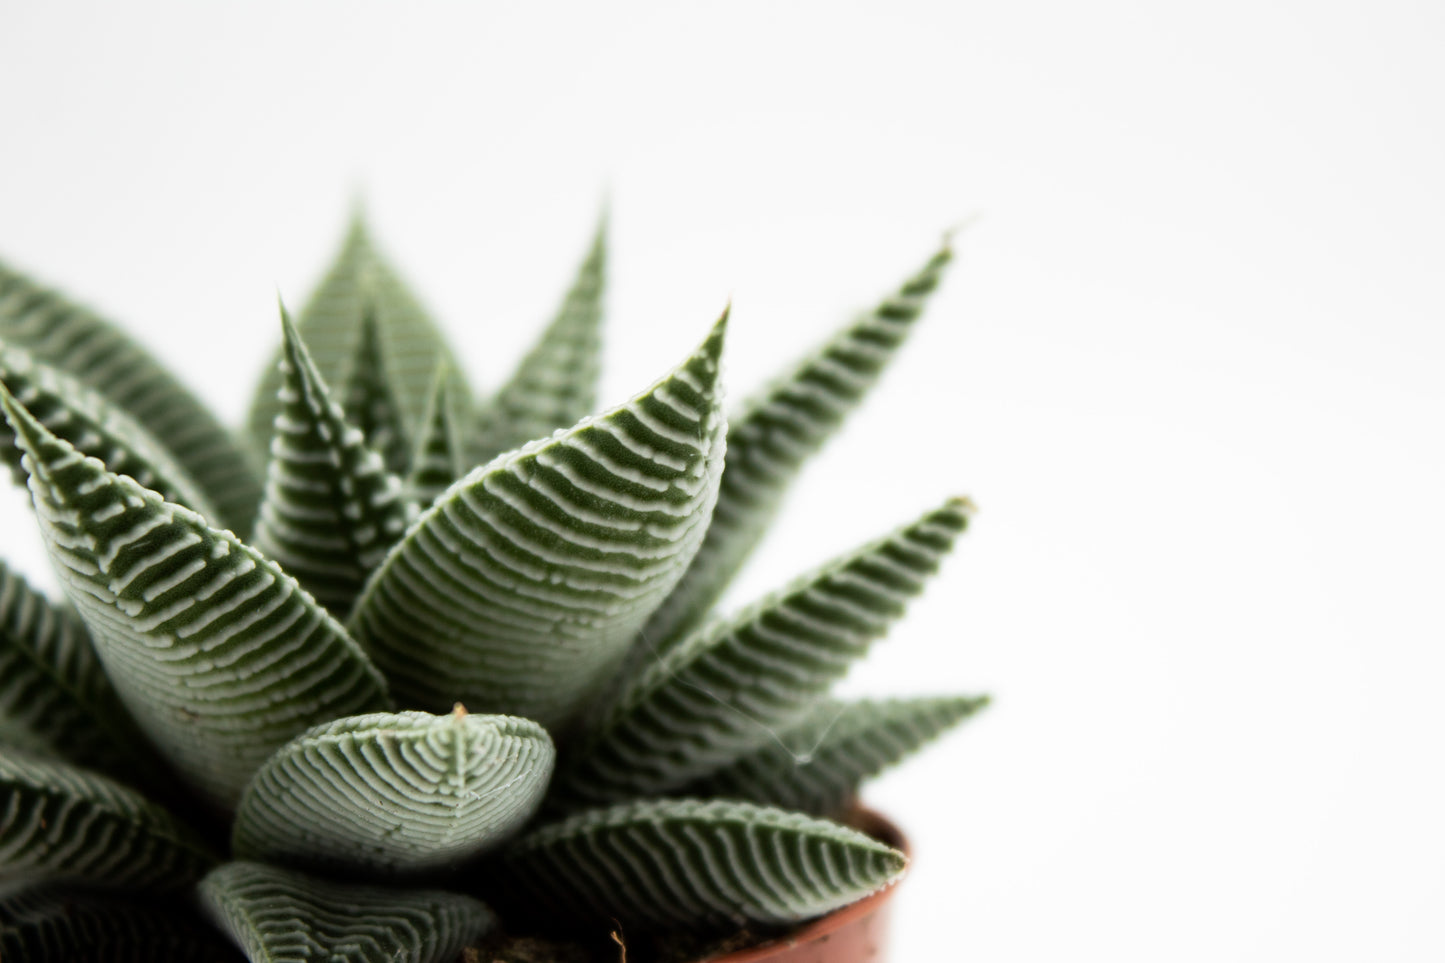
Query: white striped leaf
x=54, y=691
x=437, y=461
x=217, y=653
x=817, y=765
x=556, y=383
x=684, y=863
x=83, y=417
x=74, y=340
x=394, y=793
x=371, y=401
x=279, y=916
x=520, y=589
x=62, y=924
x=727, y=688
x=61, y=822
x=775, y=432
x=331, y=510
x=332, y=325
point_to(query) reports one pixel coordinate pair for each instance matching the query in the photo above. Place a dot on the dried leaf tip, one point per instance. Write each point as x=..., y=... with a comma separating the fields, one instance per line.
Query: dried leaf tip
x=459, y=711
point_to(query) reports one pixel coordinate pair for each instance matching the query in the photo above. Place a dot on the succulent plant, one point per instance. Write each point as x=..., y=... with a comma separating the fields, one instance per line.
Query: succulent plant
x=396, y=671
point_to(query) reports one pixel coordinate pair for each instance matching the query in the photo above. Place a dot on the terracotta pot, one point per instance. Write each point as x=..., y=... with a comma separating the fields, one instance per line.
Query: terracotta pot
x=857, y=933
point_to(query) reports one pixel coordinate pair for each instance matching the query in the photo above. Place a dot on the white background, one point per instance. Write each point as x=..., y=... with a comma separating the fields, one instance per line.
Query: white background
x=1188, y=364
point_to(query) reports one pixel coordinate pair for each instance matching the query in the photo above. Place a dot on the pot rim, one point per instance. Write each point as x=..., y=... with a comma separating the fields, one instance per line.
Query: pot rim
x=865, y=820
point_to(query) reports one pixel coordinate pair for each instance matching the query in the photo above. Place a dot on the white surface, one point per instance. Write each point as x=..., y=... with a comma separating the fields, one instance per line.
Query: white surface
x=1188, y=364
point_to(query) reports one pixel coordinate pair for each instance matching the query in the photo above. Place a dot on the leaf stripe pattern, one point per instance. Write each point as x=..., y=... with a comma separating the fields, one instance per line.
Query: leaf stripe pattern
x=52, y=686
x=331, y=509
x=725, y=690
x=775, y=433
x=217, y=653
x=60, y=822
x=332, y=325
x=370, y=401
x=816, y=766
x=95, y=427
x=278, y=916
x=437, y=461
x=395, y=793
x=520, y=590
x=555, y=385
x=695, y=864
x=58, y=924
x=93, y=350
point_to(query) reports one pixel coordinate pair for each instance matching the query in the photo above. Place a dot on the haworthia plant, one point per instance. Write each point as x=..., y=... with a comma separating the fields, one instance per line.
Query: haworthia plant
x=278, y=916
x=331, y=510
x=817, y=765
x=688, y=864
x=556, y=384
x=217, y=653
x=61, y=822
x=520, y=591
x=362, y=283
x=73, y=339
x=293, y=725
x=398, y=793
x=723, y=691
x=774, y=433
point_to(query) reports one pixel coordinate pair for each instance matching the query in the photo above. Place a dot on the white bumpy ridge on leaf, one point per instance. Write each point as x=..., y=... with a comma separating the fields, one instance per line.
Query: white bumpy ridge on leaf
x=686, y=863
x=60, y=924
x=723, y=691
x=83, y=417
x=394, y=793
x=519, y=591
x=279, y=916
x=331, y=510
x=817, y=765
x=556, y=383
x=774, y=433
x=61, y=822
x=369, y=397
x=218, y=654
x=74, y=340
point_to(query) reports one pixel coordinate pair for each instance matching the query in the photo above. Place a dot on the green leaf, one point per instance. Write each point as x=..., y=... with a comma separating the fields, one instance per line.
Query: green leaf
x=555, y=386
x=58, y=924
x=371, y=401
x=331, y=509
x=95, y=427
x=73, y=339
x=217, y=653
x=394, y=793
x=60, y=822
x=817, y=765
x=437, y=461
x=773, y=435
x=725, y=690
x=53, y=689
x=332, y=324
x=519, y=591
x=683, y=863
x=279, y=916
